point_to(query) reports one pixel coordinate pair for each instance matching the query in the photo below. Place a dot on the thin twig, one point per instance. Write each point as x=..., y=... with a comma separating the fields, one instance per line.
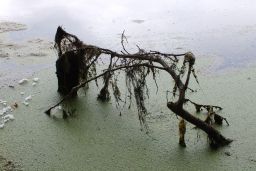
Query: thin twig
x=122, y=42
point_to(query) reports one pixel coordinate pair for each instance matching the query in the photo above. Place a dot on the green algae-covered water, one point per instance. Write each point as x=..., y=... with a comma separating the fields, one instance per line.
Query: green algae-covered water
x=97, y=137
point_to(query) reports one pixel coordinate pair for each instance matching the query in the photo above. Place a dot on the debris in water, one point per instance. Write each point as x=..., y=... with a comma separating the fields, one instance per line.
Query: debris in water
x=3, y=102
x=36, y=79
x=22, y=81
x=227, y=153
x=57, y=112
x=8, y=109
x=15, y=105
x=253, y=160
x=5, y=110
x=182, y=131
x=25, y=103
x=64, y=114
x=8, y=117
x=22, y=93
x=28, y=98
x=33, y=84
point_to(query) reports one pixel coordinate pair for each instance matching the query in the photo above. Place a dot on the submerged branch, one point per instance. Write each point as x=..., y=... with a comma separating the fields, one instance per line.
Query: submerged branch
x=76, y=88
x=200, y=106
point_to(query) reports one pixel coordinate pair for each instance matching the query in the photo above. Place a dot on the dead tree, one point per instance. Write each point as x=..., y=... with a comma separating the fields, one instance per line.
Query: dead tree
x=76, y=67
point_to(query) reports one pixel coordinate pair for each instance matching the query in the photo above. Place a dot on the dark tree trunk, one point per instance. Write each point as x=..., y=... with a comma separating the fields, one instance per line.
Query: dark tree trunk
x=68, y=71
x=216, y=139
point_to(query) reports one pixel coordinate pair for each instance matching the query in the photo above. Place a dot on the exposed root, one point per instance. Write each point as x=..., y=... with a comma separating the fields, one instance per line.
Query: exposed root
x=76, y=67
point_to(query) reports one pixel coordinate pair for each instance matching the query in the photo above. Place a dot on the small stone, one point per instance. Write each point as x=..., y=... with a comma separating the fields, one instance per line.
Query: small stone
x=25, y=103
x=28, y=98
x=22, y=81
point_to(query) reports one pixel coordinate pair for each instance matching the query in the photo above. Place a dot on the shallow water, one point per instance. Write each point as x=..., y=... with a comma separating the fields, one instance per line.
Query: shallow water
x=97, y=138
x=225, y=30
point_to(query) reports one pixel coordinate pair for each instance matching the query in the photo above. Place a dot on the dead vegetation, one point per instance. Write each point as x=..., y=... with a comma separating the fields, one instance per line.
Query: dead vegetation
x=77, y=66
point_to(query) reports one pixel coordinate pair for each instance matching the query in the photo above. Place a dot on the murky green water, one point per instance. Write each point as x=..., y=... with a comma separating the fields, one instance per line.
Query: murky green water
x=97, y=138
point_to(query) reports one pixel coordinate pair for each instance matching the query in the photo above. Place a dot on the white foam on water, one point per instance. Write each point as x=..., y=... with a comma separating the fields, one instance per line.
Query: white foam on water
x=28, y=98
x=35, y=79
x=25, y=103
x=5, y=116
x=3, y=102
x=57, y=112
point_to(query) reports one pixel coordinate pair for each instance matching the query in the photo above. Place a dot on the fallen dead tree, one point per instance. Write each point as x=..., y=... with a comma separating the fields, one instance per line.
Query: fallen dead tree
x=76, y=67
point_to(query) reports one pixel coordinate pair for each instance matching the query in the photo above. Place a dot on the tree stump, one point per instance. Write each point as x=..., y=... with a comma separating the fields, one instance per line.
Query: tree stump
x=68, y=71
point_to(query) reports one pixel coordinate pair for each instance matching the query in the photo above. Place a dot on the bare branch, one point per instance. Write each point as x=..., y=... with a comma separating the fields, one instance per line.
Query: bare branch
x=137, y=67
x=200, y=106
x=75, y=89
x=123, y=37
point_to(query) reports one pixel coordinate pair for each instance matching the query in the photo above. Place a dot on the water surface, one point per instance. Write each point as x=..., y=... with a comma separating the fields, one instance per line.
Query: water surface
x=97, y=138
x=225, y=30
